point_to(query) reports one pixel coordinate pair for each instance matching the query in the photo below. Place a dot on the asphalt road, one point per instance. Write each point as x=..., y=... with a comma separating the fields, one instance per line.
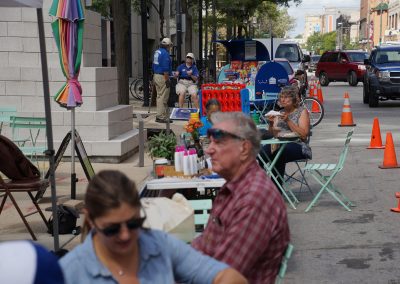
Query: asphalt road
x=333, y=245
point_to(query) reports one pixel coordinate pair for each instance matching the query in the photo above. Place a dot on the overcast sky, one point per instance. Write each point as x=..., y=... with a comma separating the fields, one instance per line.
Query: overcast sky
x=315, y=7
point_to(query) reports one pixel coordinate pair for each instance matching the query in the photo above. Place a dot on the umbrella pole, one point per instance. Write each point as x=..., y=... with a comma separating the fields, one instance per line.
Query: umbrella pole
x=73, y=174
x=49, y=133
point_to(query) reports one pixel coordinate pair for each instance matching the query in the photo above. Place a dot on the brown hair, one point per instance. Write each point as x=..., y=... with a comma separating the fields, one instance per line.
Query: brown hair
x=108, y=190
x=293, y=92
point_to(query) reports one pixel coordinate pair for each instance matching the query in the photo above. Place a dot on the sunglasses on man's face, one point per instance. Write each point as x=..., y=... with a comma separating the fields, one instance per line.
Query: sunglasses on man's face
x=114, y=229
x=219, y=134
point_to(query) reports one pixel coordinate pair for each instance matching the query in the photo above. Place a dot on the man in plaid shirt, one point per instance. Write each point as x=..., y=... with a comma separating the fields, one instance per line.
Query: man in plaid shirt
x=248, y=226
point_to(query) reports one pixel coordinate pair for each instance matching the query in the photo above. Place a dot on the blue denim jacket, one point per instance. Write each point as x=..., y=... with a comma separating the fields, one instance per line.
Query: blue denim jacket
x=163, y=260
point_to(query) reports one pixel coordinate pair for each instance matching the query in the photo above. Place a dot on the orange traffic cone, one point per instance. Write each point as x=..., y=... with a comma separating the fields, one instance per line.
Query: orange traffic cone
x=311, y=89
x=347, y=115
x=389, y=156
x=376, y=140
x=397, y=209
x=320, y=97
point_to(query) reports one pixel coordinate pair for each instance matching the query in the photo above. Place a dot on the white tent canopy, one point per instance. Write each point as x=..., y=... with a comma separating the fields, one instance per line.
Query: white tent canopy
x=22, y=3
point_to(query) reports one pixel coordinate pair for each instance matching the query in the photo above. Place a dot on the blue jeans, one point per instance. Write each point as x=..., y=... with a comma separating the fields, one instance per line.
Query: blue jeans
x=292, y=152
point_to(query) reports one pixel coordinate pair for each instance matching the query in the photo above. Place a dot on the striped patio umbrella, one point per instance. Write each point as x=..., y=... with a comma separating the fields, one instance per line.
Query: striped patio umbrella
x=68, y=33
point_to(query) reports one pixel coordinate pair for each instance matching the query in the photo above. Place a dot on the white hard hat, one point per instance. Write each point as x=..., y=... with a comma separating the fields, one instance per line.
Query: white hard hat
x=166, y=41
x=191, y=55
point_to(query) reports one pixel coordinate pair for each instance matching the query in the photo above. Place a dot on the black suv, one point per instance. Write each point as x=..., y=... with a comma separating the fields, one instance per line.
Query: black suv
x=382, y=79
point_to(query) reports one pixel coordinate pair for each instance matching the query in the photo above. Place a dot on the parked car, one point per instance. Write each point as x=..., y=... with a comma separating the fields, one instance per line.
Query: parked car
x=341, y=66
x=382, y=78
x=289, y=49
x=285, y=63
x=312, y=65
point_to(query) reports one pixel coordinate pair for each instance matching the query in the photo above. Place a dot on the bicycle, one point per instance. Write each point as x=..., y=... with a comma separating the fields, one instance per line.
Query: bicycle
x=315, y=109
x=313, y=105
x=136, y=88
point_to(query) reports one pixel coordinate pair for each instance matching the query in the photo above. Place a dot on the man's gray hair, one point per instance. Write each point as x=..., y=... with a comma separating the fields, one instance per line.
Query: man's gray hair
x=244, y=127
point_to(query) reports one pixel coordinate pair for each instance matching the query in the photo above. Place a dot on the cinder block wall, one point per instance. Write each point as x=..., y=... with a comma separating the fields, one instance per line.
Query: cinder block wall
x=106, y=128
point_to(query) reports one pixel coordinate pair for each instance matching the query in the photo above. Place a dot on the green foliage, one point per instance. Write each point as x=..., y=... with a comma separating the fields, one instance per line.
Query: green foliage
x=319, y=43
x=102, y=7
x=162, y=145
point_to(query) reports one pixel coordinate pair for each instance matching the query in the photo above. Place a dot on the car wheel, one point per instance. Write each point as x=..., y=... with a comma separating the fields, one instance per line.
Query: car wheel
x=323, y=79
x=365, y=93
x=352, y=78
x=373, y=100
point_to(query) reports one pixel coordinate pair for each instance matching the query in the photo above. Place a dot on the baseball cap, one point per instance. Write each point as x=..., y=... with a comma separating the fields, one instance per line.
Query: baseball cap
x=166, y=41
x=27, y=262
x=191, y=55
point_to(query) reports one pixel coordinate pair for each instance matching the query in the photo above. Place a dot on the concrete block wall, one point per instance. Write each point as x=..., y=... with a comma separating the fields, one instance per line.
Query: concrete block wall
x=105, y=127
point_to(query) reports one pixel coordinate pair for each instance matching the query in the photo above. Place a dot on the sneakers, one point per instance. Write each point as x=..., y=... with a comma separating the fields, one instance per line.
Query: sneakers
x=160, y=120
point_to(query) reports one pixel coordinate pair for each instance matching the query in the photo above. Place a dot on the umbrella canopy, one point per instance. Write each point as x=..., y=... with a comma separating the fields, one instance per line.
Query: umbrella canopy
x=68, y=34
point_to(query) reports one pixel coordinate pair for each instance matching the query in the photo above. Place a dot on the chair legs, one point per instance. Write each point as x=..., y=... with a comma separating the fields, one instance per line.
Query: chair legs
x=325, y=182
x=23, y=217
x=302, y=180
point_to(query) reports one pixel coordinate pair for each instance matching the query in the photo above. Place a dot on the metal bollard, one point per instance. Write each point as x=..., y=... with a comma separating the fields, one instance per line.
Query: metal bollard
x=141, y=140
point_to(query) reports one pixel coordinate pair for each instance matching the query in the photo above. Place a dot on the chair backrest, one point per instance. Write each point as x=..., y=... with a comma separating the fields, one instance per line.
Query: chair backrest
x=343, y=154
x=283, y=267
x=5, y=113
x=201, y=208
x=30, y=123
x=13, y=163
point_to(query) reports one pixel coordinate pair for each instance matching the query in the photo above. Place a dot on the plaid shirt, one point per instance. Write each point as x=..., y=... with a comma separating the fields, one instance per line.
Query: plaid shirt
x=248, y=226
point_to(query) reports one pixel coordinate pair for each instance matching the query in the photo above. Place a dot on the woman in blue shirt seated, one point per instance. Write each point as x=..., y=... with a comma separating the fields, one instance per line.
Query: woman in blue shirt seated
x=119, y=250
x=212, y=105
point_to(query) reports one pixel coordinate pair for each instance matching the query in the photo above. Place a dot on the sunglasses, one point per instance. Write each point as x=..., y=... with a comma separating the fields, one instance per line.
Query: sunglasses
x=219, y=134
x=114, y=229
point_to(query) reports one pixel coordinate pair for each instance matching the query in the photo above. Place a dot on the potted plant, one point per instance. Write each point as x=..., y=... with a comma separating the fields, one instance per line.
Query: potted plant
x=162, y=145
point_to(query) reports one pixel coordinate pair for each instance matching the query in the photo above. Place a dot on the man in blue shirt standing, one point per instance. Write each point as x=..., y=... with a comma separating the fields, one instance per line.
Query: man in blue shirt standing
x=162, y=69
x=187, y=74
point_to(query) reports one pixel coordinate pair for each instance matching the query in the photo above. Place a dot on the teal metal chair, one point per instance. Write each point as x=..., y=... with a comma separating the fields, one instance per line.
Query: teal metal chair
x=201, y=213
x=25, y=133
x=326, y=180
x=5, y=113
x=283, y=268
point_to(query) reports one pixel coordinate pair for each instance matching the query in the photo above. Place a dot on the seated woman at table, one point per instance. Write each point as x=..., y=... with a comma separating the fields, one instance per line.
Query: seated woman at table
x=212, y=105
x=119, y=250
x=294, y=119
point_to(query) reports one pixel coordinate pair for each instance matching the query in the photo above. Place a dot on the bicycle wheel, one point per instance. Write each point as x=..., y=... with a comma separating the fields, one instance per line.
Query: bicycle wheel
x=315, y=110
x=131, y=89
x=138, y=89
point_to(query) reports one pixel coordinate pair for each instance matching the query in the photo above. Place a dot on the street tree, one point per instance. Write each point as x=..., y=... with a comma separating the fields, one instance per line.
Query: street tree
x=240, y=12
x=318, y=43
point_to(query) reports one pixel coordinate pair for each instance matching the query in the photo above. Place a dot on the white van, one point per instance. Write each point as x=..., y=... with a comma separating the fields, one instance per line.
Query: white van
x=284, y=48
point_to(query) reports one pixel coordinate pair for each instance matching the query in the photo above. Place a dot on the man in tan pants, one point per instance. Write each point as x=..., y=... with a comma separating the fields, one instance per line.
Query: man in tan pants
x=162, y=69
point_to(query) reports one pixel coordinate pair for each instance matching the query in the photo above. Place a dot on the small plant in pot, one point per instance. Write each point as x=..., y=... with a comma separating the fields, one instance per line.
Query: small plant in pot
x=162, y=145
